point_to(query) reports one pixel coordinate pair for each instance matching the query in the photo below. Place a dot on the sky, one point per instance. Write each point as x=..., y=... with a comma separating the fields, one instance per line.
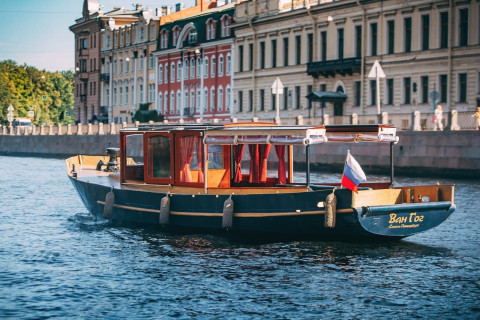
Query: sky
x=35, y=32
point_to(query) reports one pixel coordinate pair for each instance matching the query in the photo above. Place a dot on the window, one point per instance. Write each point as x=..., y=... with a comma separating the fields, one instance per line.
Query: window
x=391, y=36
x=126, y=95
x=166, y=72
x=358, y=41
x=179, y=71
x=120, y=95
x=298, y=50
x=250, y=100
x=443, y=88
x=425, y=32
x=213, y=67
x=220, y=65
x=179, y=101
x=192, y=102
x=142, y=32
x=424, y=93
x=141, y=63
x=140, y=90
x=160, y=165
x=228, y=96
x=323, y=40
x=358, y=93
x=151, y=92
x=127, y=64
x=220, y=99
x=205, y=99
x=151, y=62
x=175, y=33
x=240, y=101
x=172, y=72
x=309, y=90
x=463, y=27
x=210, y=29
x=297, y=97
x=152, y=31
x=285, y=98
x=205, y=68
x=164, y=39
x=407, y=33
x=212, y=99
x=198, y=103
x=160, y=102
x=250, y=56
x=390, y=91
x=229, y=63
x=444, y=30
x=285, y=52
x=199, y=70
x=240, y=58
x=373, y=39
x=172, y=103
x=185, y=69
x=262, y=55
x=274, y=53
x=114, y=95
x=462, y=87
x=133, y=102
x=262, y=99
x=192, y=69
x=340, y=43
x=225, y=26
x=83, y=43
x=407, y=90
x=373, y=92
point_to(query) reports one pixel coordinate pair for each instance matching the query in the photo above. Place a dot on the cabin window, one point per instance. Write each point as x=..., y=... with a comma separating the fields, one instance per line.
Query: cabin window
x=159, y=147
x=215, y=157
x=159, y=150
x=132, y=157
x=191, y=159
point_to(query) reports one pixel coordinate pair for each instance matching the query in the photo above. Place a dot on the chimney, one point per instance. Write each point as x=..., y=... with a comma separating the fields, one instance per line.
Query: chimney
x=158, y=12
x=166, y=10
x=138, y=6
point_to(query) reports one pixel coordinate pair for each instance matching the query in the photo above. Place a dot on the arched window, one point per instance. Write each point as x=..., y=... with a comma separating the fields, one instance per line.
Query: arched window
x=225, y=21
x=212, y=99
x=198, y=67
x=205, y=68
x=172, y=72
x=192, y=69
x=166, y=72
x=213, y=66
x=205, y=99
x=229, y=63
x=126, y=95
x=160, y=74
x=227, y=98
x=198, y=106
x=220, y=65
x=120, y=96
x=160, y=102
x=185, y=69
x=179, y=96
x=179, y=71
x=192, y=100
x=220, y=99
x=165, y=102
x=172, y=101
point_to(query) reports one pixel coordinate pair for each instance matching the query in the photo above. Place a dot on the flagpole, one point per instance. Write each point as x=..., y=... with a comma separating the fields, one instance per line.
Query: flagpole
x=344, y=165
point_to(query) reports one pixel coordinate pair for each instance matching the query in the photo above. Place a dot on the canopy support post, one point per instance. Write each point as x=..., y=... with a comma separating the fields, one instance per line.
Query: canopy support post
x=391, y=165
x=205, y=165
x=307, y=160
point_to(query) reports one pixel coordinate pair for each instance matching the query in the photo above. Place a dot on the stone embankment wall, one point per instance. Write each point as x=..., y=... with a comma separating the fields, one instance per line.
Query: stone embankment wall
x=454, y=154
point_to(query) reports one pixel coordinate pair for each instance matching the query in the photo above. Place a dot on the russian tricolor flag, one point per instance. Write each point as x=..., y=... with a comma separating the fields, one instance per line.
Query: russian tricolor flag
x=353, y=174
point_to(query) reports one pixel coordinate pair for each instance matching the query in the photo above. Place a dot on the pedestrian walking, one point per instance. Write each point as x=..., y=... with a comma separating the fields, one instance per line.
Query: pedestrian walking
x=476, y=115
x=437, y=119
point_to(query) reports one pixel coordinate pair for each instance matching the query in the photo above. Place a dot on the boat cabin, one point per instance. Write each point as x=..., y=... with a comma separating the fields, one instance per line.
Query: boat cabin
x=216, y=156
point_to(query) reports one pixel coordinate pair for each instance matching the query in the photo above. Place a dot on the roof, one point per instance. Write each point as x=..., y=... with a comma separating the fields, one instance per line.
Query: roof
x=327, y=96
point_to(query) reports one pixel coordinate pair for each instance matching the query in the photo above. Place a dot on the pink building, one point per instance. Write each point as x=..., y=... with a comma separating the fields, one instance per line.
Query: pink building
x=194, y=72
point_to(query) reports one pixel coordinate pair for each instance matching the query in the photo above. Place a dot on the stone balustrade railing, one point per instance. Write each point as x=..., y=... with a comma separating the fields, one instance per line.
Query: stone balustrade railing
x=414, y=121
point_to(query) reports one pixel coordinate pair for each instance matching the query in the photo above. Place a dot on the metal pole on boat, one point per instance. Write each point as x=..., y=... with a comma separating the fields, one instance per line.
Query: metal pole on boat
x=205, y=165
x=391, y=164
x=307, y=160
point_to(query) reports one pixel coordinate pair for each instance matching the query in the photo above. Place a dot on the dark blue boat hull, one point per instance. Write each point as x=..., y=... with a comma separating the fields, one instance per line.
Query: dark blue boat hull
x=289, y=214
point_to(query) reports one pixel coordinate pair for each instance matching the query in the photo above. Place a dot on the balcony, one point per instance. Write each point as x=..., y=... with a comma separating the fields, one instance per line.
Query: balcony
x=331, y=68
x=105, y=77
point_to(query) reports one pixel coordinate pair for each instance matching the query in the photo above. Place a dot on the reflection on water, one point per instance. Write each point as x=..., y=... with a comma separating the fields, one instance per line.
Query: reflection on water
x=58, y=262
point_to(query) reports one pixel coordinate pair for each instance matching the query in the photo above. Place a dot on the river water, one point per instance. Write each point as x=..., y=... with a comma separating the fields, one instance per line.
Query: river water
x=57, y=262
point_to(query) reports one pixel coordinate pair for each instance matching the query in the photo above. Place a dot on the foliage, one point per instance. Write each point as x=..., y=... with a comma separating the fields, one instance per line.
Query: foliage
x=144, y=115
x=48, y=94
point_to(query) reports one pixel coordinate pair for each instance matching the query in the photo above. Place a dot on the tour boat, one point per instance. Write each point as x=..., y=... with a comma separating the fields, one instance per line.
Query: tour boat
x=227, y=178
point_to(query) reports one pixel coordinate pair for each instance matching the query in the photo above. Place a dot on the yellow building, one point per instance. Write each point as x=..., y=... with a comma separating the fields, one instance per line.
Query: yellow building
x=422, y=46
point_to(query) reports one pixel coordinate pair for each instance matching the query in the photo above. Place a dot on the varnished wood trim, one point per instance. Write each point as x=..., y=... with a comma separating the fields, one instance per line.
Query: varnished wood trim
x=239, y=215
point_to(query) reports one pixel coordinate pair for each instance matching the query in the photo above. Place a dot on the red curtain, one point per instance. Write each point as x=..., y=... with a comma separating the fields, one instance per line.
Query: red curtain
x=200, y=159
x=258, y=162
x=237, y=157
x=186, y=157
x=282, y=175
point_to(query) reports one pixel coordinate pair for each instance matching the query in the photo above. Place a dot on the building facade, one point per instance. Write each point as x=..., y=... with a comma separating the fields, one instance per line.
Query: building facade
x=426, y=49
x=194, y=60
x=128, y=39
x=87, y=63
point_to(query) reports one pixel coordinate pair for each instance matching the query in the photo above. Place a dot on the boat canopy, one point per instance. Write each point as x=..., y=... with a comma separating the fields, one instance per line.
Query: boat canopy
x=265, y=134
x=361, y=133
